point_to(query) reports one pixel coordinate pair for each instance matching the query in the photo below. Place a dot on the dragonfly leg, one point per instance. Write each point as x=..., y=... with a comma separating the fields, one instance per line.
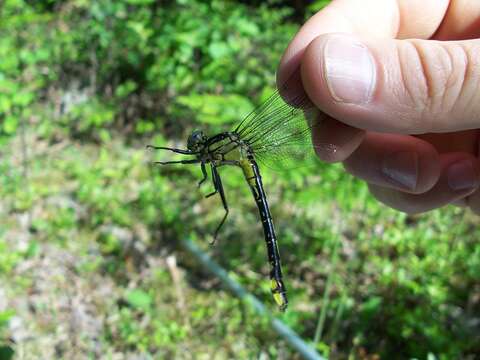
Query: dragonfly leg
x=224, y=162
x=177, y=162
x=204, y=172
x=178, y=151
x=212, y=193
x=217, y=182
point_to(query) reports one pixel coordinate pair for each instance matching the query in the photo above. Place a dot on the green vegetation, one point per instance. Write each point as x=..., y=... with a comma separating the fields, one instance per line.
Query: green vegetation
x=90, y=263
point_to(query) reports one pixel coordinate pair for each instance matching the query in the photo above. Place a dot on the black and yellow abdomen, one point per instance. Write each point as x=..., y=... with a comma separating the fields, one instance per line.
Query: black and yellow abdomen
x=252, y=175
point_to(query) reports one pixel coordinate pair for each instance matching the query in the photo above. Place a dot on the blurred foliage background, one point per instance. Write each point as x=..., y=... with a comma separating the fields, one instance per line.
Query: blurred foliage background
x=90, y=262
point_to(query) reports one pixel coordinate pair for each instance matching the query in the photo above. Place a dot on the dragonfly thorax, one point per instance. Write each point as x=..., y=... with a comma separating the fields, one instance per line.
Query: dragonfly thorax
x=196, y=140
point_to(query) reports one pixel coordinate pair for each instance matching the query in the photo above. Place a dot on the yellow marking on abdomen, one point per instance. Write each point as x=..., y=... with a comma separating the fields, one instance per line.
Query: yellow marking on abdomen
x=278, y=296
x=248, y=171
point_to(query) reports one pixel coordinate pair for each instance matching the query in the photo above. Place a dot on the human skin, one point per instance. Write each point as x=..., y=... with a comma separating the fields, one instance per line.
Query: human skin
x=399, y=81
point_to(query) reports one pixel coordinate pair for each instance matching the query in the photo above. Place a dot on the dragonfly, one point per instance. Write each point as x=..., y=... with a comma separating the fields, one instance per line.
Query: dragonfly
x=277, y=134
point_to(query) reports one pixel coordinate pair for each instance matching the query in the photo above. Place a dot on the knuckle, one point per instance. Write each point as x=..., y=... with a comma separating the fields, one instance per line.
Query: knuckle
x=434, y=76
x=468, y=94
x=415, y=82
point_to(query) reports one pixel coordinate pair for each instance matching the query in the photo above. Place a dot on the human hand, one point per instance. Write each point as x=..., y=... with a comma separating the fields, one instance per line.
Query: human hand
x=400, y=81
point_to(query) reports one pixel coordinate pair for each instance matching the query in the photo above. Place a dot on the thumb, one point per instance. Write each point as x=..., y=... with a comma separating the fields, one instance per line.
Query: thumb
x=396, y=86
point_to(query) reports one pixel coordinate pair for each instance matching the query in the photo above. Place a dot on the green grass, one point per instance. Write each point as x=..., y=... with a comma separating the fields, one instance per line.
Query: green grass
x=103, y=235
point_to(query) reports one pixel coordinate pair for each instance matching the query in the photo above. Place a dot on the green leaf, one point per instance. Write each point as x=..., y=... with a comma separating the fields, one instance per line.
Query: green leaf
x=144, y=126
x=140, y=2
x=218, y=50
x=5, y=317
x=217, y=109
x=371, y=306
x=318, y=5
x=5, y=103
x=10, y=124
x=246, y=27
x=6, y=352
x=138, y=299
x=125, y=89
x=23, y=98
x=323, y=348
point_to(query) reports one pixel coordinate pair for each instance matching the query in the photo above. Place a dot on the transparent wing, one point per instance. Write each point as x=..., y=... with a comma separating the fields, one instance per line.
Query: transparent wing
x=280, y=130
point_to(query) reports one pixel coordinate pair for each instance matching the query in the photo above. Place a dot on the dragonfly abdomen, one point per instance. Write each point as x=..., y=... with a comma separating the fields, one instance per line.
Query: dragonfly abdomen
x=254, y=179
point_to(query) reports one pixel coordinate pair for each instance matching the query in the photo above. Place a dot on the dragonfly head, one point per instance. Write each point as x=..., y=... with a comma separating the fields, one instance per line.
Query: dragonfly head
x=196, y=140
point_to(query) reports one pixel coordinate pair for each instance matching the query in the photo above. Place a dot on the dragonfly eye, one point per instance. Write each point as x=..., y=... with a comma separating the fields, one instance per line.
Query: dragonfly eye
x=195, y=140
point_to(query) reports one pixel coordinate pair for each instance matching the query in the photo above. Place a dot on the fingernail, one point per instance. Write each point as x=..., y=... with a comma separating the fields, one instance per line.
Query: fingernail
x=462, y=176
x=402, y=168
x=349, y=70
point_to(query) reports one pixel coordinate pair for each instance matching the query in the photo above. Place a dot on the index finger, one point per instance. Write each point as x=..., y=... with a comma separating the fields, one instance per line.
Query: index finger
x=367, y=18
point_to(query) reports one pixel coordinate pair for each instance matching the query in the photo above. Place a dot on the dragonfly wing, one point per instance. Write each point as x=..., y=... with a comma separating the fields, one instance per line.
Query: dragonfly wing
x=279, y=131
